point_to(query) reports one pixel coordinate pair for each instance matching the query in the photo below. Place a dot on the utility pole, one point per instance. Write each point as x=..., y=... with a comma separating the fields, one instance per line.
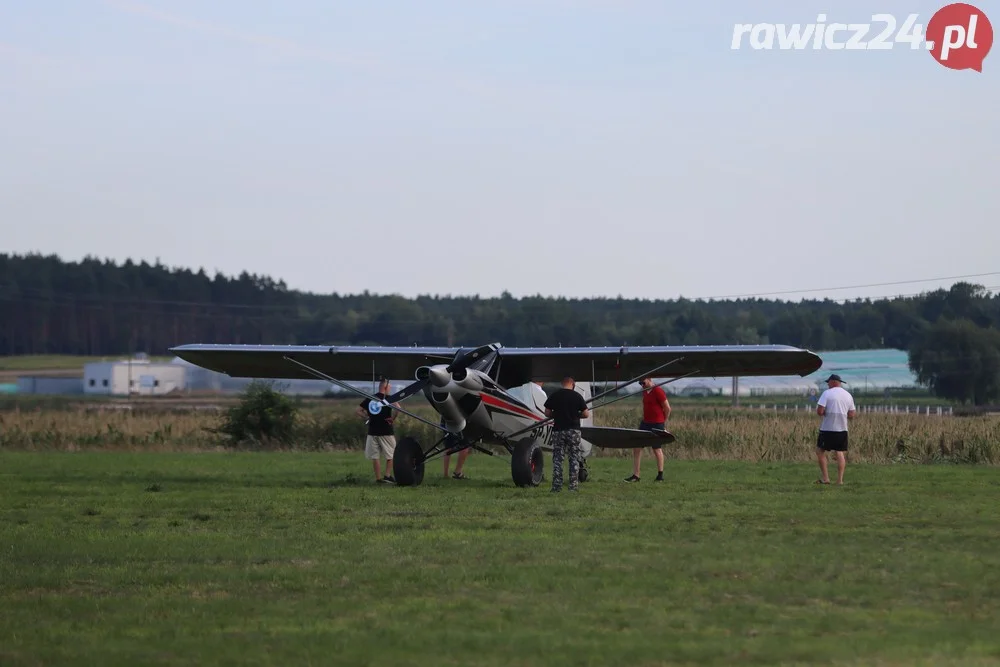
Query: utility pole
x=131, y=354
x=736, y=391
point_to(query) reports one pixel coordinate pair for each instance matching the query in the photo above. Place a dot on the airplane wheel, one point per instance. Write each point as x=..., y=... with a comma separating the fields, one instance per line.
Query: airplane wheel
x=408, y=462
x=583, y=475
x=527, y=466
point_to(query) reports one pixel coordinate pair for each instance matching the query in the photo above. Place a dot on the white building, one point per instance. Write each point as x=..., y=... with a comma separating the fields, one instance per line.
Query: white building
x=132, y=376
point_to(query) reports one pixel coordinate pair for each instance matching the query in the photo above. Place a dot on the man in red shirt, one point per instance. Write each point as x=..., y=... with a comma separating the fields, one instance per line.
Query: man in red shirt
x=655, y=411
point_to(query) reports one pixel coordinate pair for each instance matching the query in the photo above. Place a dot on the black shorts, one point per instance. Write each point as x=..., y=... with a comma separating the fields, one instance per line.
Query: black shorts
x=832, y=441
x=646, y=426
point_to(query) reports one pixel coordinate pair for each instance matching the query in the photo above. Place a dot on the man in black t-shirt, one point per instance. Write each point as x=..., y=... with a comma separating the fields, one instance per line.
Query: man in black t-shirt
x=566, y=406
x=381, y=440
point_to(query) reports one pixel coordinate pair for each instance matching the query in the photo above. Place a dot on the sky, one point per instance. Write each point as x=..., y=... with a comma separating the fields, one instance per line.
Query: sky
x=578, y=149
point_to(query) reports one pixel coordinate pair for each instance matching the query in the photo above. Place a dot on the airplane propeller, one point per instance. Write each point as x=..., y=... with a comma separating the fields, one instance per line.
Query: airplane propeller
x=428, y=375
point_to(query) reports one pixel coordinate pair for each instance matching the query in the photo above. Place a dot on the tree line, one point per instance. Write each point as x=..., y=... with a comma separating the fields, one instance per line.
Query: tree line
x=100, y=307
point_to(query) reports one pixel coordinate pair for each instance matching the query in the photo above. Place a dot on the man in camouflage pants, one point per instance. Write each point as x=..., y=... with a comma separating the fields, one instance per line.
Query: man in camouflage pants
x=566, y=407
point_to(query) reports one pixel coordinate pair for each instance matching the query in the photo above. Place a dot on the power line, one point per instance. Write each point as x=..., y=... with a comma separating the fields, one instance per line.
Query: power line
x=141, y=308
x=53, y=295
x=832, y=289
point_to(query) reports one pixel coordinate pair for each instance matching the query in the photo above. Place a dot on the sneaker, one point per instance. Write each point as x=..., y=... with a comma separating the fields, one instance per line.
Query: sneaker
x=390, y=479
x=659, y=478
x=633, y=478
x=458, y=475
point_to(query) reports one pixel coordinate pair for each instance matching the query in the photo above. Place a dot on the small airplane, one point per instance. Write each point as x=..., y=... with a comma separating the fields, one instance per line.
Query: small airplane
x=467, y=388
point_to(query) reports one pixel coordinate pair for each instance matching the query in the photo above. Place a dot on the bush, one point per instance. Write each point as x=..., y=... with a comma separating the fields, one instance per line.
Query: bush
x=263, y=415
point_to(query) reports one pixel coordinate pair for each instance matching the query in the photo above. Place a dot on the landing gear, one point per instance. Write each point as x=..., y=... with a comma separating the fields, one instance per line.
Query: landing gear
x=410, y=459
x=408, y=462
x=527, y=465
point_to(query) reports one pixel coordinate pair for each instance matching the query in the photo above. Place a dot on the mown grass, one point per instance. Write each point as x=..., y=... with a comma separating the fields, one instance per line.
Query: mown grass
x=746, y=434
x=298, y=558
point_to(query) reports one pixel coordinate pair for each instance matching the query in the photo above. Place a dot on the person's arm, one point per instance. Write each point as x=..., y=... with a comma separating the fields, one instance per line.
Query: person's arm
x=852, y=411
x=584, y=410
x=821, y=405
x=361, y=412
x=665, y=406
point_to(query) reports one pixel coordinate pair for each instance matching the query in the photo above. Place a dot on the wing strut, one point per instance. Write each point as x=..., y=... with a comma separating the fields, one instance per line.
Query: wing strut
x=344, y=385
x=660, y=384
x=637, y=378
x=609, y=391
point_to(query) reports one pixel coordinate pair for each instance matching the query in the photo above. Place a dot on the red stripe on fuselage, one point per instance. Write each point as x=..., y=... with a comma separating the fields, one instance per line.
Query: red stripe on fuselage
x=497, y=403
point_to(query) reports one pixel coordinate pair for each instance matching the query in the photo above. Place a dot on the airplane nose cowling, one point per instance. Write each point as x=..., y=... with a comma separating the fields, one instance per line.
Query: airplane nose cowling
x=468, y=381
x=439, y=376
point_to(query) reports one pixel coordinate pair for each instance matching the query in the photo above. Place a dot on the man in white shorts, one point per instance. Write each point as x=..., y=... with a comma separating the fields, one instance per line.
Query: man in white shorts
x=836, y=407
x=381, y=439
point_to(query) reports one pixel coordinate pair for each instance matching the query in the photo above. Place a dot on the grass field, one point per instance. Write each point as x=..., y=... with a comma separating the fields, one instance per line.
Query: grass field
x=298, y=558
x=41, y=362
x=62, y=365
x=702, y=433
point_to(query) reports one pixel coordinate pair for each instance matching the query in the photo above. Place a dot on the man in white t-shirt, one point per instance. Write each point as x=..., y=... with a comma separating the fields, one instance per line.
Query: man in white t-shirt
x=836, y=407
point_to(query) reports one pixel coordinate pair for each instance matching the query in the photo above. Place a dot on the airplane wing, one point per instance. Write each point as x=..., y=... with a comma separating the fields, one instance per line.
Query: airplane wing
x=624, y=438
x=347, y=363
x=610, y=364
x=517, y=365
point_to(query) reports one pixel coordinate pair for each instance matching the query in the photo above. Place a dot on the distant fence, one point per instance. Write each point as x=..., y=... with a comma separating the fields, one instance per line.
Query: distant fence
x=870, y=390
x=888, y=409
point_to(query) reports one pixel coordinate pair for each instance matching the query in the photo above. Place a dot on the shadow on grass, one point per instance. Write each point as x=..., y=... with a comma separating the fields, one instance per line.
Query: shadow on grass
x=156, y=483
x=353, y=480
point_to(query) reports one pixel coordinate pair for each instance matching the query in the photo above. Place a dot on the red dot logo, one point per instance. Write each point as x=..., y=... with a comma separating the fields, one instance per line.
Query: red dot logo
x=960, y=36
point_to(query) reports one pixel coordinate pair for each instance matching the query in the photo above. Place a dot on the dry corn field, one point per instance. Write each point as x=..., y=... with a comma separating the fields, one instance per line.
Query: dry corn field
x=702, y=433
